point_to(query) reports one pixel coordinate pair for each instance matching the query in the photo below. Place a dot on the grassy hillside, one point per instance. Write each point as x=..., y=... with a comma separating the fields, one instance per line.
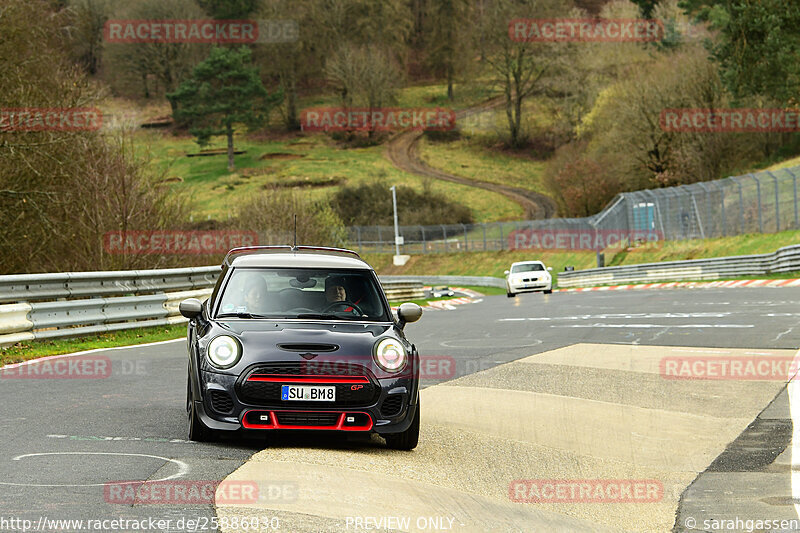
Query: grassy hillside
x=314, y=164
x=494, y=263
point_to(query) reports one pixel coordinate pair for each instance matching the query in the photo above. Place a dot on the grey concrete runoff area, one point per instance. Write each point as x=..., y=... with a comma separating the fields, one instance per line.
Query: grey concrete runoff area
x=657, y=410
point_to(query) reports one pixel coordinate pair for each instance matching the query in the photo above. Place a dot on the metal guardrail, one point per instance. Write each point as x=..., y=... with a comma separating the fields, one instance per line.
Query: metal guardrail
x=478, y=281
x=71, y=304
x=786, y=259
x=31, y=287
x=396, y=290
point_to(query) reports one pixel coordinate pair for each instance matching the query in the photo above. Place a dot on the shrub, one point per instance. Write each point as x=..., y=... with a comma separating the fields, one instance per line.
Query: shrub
x=371, y=205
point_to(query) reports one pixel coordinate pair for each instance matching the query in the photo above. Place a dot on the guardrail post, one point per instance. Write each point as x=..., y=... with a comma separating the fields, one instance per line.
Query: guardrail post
x=758, y=194
x=444, y=233
x=502, y=240
x=380, y=240
x=794, y=183
x=722, y=206
x=358, y=237
x=484, y=236
x=466, y=242
x=424, y=242
x=741, y=205
x=709, y=214
x=777, y=204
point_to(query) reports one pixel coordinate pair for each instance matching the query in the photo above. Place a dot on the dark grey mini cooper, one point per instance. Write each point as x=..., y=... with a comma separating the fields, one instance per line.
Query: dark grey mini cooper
x=301, y=338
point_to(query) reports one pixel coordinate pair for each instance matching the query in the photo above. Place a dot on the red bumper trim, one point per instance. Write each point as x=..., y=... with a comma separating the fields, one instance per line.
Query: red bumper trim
x=304, y=378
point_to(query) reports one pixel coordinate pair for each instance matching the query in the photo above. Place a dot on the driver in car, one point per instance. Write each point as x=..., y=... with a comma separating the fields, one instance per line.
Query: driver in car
x=335, y=292
x=255, y=295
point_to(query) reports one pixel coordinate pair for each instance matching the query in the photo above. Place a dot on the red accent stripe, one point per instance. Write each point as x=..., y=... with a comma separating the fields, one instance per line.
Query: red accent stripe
x=307, y=378
x=340, y=426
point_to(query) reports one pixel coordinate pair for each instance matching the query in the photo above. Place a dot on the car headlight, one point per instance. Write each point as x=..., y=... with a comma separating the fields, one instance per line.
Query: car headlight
x=224, y=351
x=390, y=354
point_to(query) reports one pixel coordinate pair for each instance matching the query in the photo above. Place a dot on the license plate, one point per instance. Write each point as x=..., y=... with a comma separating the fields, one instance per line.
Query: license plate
x=308, y=393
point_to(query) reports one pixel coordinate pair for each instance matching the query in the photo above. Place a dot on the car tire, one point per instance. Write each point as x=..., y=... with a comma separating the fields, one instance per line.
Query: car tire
x=408, y=439
x=510, y=294
x=549, y=291
x=198, y=432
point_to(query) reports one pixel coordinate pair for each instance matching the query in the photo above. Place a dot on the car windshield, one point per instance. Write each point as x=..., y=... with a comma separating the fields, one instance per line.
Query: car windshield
x=320, y=294
x=527, y=267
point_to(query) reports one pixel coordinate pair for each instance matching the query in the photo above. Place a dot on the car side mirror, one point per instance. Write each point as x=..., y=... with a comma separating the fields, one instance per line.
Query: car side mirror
x=549, y=269
x=408, y=312
x=506, y=272
x=191, y=308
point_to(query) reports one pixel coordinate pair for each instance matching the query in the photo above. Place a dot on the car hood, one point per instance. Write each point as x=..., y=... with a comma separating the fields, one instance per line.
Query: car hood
x=289, y=341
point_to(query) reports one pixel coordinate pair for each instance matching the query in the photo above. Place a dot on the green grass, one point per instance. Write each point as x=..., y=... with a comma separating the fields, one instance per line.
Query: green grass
x=486, y=291
x=473, y=160
x=41, y=348
x=314, y=159
x=312, y=163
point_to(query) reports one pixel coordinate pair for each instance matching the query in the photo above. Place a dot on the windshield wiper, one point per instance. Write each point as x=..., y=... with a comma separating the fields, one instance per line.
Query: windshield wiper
x=240, y=315
x=318, y=315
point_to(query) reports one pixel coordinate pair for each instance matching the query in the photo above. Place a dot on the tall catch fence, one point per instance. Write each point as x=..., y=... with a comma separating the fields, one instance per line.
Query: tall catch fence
x=764, y=202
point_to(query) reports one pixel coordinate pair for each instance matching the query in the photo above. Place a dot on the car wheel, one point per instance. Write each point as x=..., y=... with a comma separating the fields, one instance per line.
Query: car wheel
x=198, y=431
x=549, y=291
x=408, y=439
x=510, y=294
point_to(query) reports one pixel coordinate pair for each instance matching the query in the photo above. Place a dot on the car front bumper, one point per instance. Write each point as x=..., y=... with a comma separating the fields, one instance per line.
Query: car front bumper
x=391, y=411
x=531, y=286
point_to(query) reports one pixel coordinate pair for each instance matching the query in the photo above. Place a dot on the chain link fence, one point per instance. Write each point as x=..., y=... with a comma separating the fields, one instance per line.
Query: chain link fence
x=764, y=202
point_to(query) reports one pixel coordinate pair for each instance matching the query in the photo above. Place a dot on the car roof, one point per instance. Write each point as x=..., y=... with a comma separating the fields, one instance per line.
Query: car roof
x=298, y=259
x=527, y=263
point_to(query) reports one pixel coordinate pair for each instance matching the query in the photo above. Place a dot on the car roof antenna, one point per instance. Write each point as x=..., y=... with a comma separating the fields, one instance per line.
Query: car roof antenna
x=295, y=231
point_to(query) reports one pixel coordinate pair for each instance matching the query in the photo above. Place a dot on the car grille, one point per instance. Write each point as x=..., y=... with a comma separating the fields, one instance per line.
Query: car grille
x=392, y=405
x=221, y=402
x=307, y=419
x=362, y=391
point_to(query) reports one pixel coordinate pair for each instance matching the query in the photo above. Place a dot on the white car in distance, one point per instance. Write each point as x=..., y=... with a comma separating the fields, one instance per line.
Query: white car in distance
x=528, y=276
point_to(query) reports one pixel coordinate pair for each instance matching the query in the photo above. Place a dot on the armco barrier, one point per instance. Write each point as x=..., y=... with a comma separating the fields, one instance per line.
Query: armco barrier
x=403, y=289
x=786, y=259
x=456, y=281
x=71, y=304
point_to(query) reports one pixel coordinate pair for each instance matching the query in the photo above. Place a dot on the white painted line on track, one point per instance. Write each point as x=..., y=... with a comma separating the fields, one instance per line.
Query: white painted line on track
x=103, y=438
x=183, y=468
x=639, y=326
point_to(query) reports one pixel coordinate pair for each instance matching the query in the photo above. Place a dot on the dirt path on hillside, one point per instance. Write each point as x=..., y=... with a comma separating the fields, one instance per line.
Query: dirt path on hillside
x=403, y=152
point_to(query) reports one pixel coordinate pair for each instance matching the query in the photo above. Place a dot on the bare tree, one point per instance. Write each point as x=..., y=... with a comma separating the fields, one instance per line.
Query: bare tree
x=521, y=69
x=157, y=67
x=363, y=77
